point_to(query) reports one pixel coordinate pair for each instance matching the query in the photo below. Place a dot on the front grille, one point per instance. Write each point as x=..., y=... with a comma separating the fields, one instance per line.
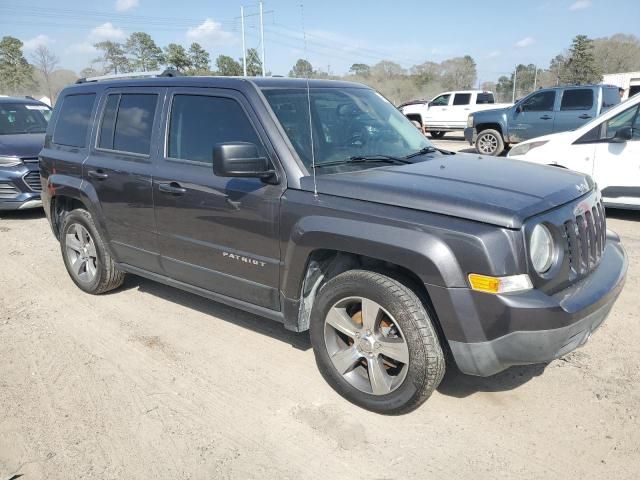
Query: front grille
x=32, y=179
x=8, y=191
x=586, y=238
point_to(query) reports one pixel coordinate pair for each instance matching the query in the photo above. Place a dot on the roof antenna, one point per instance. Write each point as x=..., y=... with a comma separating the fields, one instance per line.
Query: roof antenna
x=313, y=151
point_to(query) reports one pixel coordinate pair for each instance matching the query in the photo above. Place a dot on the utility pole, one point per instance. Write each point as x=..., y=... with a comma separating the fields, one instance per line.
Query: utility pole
x=515, y=78
x=535, y=79
x=244, y=50
x=262, y=40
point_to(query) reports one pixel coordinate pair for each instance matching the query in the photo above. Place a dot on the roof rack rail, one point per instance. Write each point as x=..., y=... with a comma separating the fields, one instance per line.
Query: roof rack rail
x=169, y=72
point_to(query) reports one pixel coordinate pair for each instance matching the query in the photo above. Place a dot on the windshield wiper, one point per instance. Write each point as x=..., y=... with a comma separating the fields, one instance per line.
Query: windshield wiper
x=364, y=159
x=429, y=149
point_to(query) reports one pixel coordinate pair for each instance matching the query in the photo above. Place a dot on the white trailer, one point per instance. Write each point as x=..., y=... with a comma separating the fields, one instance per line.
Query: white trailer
x=630, y=81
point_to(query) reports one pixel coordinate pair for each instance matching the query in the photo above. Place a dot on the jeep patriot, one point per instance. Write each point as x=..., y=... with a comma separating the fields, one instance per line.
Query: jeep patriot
x=318, y=204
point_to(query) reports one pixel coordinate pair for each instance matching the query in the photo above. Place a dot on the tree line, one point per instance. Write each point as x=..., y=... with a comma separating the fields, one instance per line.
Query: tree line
x=584, y=61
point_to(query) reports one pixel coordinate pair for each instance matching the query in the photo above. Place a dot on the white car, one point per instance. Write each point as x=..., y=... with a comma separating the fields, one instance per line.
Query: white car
x=607, y=148
x=448, y=111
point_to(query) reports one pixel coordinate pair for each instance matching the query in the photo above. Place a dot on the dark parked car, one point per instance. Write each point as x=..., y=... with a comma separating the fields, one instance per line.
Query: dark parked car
x=23, y=122
x=545, y=111
x=393, y=253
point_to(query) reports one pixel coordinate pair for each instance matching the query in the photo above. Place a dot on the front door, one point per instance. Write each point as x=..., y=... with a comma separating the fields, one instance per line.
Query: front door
x=119, y=168
x=215, y=233
x=617, y=165
x=533, y=117
x=437, y=112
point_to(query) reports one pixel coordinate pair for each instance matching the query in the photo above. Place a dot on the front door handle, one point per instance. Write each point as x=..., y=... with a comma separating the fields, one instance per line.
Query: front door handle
x=546, y=117
x=98, y=174
x=173, y=188
x=584, y=116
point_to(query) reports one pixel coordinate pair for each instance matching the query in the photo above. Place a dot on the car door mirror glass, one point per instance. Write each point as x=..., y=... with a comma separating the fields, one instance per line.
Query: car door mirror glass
x=240, y=159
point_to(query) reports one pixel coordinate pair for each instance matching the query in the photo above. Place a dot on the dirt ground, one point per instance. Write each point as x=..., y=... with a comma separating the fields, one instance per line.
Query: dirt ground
x=151, y=382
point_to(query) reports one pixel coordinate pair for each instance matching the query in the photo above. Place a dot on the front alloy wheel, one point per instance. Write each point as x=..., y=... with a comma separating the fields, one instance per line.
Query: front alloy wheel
x=81, y=253
x=366, y=345
x=375, y=342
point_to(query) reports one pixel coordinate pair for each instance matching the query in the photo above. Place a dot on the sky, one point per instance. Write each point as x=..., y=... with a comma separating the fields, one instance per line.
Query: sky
x=497, y=34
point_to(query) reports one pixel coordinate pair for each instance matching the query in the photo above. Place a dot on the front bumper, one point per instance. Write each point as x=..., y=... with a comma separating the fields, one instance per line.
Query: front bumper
x=20, y=187
x=470, y=135
x=494, y=332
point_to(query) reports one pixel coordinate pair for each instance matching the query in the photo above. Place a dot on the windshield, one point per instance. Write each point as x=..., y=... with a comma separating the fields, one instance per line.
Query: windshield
x=346, y=122
x=19, y=118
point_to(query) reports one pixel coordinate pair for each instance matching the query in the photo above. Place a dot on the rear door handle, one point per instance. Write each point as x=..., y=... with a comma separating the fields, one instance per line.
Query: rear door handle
x=546, y=117
x=584, y=116
x=173, y=188
x=98, y=174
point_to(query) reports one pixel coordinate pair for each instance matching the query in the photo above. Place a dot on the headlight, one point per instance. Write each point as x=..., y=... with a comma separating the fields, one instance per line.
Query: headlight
x=470, y=120
x=524, y=148
x=541, y=248
x=9, y=161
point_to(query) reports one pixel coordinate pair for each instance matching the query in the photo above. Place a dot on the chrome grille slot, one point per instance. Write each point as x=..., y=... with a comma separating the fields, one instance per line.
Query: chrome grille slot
x=8, y=191
x=32, y=179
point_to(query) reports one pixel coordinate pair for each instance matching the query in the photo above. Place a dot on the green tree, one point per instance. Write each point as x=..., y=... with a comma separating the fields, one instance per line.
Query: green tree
x=360, y=69
x=112, y=57
x=581, y=64
x=228, y=67
x=145, y=54
x=199, y=58
x=176, y=56
x=254, y=64
x=302, y=69
x=15, y=71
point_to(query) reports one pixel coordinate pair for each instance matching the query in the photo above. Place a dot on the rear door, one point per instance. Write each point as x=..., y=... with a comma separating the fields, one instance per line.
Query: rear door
x=119, y=168
x=459, y=111
x=617, y=165
x=533, y=116
x=219, y=234
x=577, y=107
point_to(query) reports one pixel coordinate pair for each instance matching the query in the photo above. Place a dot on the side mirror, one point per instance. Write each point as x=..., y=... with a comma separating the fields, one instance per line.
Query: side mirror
x=622, y=135
x=519, y=108
x=240, y=159
x=430, y=104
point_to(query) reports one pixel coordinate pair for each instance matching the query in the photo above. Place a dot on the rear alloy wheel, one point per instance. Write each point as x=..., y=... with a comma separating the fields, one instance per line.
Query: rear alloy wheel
x=375, y=343
x=437, y=134
x=87, y=260
x=489, y=142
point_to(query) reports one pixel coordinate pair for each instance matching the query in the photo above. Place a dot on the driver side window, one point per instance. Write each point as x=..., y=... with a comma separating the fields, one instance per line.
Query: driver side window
x=540, y=102
x=628, y=118
x=441, y=101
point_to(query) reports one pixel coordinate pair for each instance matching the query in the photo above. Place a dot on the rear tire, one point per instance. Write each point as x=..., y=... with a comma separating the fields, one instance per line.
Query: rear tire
x=489, y=142
x=437, y=134
x=87, y=260
x=375, y=343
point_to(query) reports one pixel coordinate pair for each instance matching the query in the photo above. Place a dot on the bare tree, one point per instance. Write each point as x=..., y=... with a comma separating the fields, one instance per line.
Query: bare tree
x=45, y=61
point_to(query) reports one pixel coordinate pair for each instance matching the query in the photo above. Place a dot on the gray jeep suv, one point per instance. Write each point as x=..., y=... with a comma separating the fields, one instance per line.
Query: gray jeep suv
x=319, y=205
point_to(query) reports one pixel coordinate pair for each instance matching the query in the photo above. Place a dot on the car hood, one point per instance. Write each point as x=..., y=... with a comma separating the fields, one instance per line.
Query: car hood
x=491, y=190
x=23, y=146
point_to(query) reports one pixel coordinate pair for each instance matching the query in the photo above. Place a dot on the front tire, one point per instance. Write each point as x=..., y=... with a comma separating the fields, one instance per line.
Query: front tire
x=87, y=260
x=375, y=343
x=489, y=142
x=437, y=134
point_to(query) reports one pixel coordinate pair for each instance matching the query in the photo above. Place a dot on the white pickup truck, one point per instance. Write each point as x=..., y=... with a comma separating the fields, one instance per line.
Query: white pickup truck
x=448, y=111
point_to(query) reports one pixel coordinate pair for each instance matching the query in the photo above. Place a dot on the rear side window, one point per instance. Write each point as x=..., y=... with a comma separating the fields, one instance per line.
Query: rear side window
x=73, y=121
x=484, y=98
x=462, y=99
x=577, y=99
x=127, y=122
x=198, y=123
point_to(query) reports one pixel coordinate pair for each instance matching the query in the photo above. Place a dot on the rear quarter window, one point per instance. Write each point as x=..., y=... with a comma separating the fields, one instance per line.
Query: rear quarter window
x=484, y=98
x=74, y=119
